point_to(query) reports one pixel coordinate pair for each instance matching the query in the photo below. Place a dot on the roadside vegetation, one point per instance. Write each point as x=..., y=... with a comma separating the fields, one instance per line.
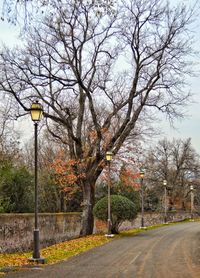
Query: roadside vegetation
x=122, y=209
x=52, y=254
x=175, y=161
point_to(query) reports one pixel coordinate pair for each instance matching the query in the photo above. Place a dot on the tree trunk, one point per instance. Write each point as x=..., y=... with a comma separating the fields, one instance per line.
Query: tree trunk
x=88, y=204
x=114, y=230
x=62, y=201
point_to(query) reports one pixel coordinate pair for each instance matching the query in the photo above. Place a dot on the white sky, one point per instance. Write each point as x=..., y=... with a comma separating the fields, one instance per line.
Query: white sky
x=187, y=127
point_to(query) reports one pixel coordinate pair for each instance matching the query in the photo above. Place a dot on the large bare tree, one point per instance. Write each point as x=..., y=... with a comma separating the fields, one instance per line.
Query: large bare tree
x=98, y=75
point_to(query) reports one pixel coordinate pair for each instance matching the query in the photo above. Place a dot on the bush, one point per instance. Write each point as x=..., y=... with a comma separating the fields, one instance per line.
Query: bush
x=16, y=190
x=118, y=188
x=121, y=209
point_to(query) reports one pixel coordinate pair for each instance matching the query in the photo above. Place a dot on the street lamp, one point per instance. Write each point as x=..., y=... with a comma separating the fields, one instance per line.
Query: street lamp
x=165, y=188
x=109, y=156
x=192, y=201
x=142, y=197
x=36, y=115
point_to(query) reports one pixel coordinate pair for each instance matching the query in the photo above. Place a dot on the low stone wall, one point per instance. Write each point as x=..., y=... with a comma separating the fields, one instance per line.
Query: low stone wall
x=16, y=230
x=150, y=219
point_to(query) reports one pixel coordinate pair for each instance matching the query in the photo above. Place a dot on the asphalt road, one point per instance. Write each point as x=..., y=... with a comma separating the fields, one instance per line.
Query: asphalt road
x=169, y=252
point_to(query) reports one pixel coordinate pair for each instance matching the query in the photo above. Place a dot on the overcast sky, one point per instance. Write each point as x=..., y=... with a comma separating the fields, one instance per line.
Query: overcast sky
x=187, y=127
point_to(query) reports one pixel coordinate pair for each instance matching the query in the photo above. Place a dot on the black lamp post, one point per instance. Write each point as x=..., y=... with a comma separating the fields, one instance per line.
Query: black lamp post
x=192, y=201
x=109, y=156
x=165, y=188
x=36, y=115
x=142, y=197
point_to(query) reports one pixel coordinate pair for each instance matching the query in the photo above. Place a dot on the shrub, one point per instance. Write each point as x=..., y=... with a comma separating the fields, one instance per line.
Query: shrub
x=118, y=188
x=16, y=189
x=121, y=209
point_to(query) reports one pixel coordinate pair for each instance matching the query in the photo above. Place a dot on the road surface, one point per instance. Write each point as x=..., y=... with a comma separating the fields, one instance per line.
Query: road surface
x=169, y=252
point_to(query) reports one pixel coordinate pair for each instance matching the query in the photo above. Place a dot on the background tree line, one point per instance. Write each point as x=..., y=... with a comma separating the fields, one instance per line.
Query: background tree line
x=175, y=161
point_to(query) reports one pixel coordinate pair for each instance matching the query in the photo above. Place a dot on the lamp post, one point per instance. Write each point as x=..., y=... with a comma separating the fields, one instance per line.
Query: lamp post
x=109, y=156
x=165, y=188
x=36, y=115
x=142, y=197
x=192, y=201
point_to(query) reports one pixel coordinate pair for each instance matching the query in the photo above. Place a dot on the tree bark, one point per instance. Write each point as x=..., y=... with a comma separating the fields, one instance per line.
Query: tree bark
x=62, y=201
x=88, y=204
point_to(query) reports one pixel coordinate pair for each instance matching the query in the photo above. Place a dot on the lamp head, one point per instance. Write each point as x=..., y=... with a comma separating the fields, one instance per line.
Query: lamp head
x=142, y=173
x=36, y=111
x=109, y=156
x=164, y=182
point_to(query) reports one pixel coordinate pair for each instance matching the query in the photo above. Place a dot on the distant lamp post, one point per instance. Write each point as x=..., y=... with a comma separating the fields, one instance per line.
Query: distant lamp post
x=109, y=156
x=165, y=190
x=36, y=115
x=192, y=201
x=142, y=196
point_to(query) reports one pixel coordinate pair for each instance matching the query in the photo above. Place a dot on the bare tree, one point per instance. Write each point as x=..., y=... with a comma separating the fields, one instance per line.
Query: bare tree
x=9, y=138
x=23, y=12
x=99, y=76
x=179, y=164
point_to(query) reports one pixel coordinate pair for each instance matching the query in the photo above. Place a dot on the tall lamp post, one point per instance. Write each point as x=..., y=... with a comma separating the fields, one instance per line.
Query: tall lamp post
x=165, y=190
x=142, y=197
x=192, y=201
x=109, y=156
x=36, y=115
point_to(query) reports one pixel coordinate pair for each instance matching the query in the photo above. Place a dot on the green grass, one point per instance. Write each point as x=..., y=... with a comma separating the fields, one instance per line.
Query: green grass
x=139, y=230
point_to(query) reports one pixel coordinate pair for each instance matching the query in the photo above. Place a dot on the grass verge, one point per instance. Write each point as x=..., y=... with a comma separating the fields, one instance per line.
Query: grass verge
x=52, y=254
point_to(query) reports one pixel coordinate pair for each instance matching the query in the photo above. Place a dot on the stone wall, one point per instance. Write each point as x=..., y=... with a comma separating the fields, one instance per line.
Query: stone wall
x=150, y=219
x=16, y=230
